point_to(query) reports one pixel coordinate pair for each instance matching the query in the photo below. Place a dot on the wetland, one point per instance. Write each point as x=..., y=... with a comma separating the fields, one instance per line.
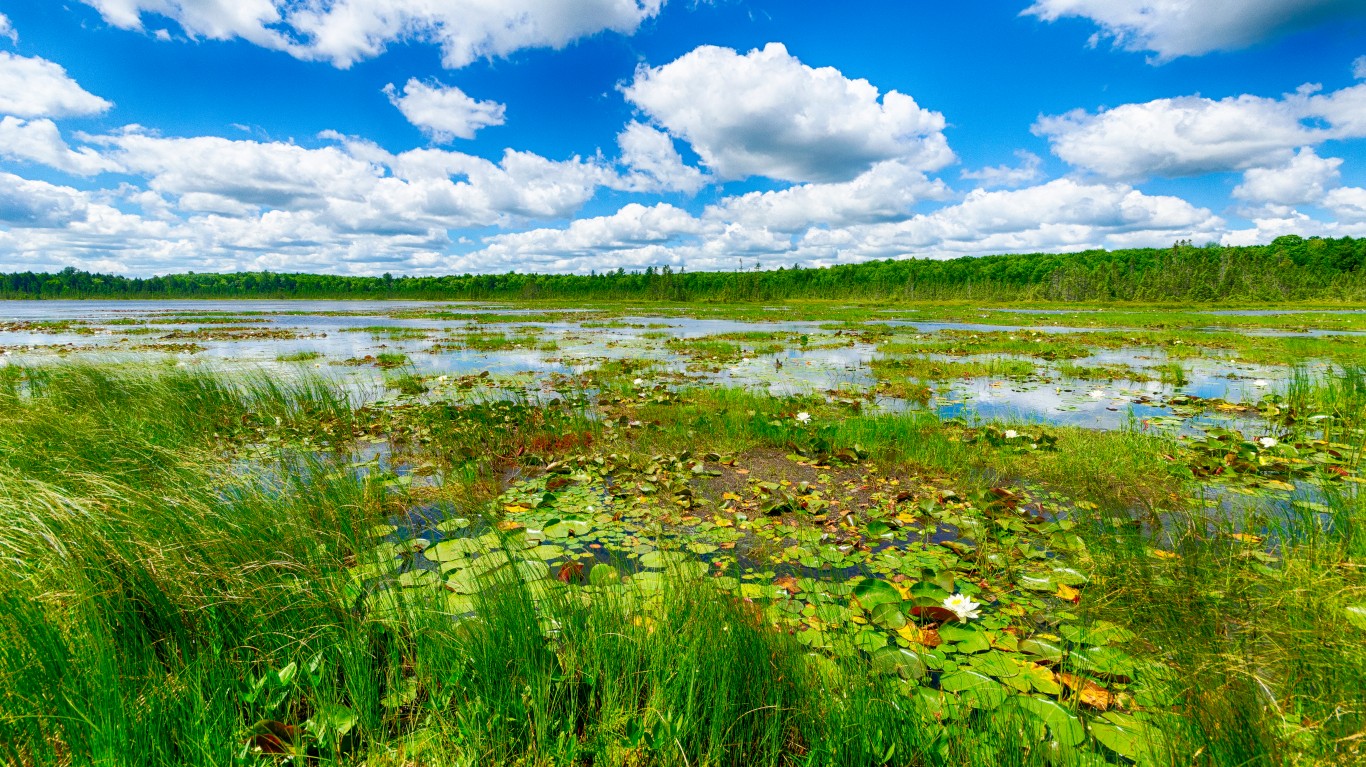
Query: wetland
x=802, y=532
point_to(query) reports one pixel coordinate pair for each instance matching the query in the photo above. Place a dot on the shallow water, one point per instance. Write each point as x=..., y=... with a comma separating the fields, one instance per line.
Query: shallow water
x=338, y=332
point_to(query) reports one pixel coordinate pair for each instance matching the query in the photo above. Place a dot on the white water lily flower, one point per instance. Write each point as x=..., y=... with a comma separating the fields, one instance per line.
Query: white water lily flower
x=962, y=606
x=1260, y=383
x=803, y=417
x=1097, y=393
x=1011, y=434
x=1268, y=442
x=639, y=381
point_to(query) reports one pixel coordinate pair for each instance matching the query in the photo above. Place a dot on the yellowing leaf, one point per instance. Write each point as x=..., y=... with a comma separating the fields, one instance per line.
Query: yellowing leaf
x=1041, y=679
x=1090, y=693
x=1068, y=593
x=916, y=635
x=514, y=508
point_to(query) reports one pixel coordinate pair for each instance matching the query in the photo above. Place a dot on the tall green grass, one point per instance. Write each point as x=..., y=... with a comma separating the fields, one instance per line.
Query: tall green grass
x=171, y=593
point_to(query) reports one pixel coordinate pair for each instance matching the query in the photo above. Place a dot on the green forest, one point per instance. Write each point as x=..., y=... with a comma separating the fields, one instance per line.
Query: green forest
x=1291, y=268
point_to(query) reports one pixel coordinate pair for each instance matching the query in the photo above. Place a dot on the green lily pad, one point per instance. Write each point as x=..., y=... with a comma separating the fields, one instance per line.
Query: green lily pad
x=928, y=593
x=872, y=592
x=1040, y=679
x=459, y=604
x=566, y=528
x=976, y=690
x=453, y=524
x=1132, y=742
x=415, y=578
x=895, y=660
x=547, y=552
x=879, y=530
x=1064, y=725
x=1068, y=576
x=964, y=638
x=1104, y=660
x=888, y=616
x=995, y=663
x=603, y=575
x=869, y=640
x=1041, y=649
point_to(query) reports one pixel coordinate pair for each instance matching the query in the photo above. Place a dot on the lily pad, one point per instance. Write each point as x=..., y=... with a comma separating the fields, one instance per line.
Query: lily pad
x=975, y=689
x=896, y=660
x=1064, y=725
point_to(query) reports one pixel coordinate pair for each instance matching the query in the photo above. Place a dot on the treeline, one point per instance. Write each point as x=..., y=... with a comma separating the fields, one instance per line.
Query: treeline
x=1290, y=268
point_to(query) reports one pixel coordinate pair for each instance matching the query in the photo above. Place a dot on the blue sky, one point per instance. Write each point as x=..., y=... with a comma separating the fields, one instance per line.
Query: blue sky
x=436, y=136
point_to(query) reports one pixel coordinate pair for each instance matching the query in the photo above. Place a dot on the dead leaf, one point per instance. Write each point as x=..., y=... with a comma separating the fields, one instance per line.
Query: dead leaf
x=916, y=635
x=934, y=612
x=571, y=572
x=1088, y=692
x=274, y=737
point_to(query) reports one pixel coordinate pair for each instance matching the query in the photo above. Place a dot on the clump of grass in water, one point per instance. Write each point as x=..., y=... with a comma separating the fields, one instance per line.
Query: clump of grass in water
x=1172, y=374
x=926, y=368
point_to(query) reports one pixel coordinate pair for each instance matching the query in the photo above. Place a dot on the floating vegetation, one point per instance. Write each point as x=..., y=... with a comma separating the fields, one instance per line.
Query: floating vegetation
x=683, y=535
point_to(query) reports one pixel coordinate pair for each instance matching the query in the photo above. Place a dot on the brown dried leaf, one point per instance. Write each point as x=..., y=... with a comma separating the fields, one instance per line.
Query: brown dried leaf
x=1088, y=692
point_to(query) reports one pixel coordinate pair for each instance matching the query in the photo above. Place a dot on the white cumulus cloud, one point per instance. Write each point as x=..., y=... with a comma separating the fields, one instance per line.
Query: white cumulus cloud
x=884, y=193
x=1061, y=214
x=636, y=235
x=1347, y=203
x=765, y=113
x=29, y=203
x=34, y=87
x=444, y=112
x=1174, y=28
x=1028, y=171
x=355, y=186
x=653, y=163
x=7, y=29
x=344, y=32
x=250, y=20
x=1191, y=135
x=1305, y=178
x=39, y=141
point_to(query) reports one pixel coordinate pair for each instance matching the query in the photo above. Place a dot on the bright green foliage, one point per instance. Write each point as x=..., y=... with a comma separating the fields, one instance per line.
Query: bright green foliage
x=1290, y=268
